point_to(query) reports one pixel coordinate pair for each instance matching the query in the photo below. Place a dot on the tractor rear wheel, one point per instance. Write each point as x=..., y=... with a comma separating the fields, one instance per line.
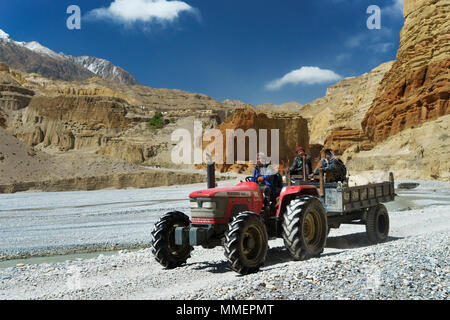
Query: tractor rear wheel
x=166, y=252
x=305, y=228
x=246, y=243
x=377, y=224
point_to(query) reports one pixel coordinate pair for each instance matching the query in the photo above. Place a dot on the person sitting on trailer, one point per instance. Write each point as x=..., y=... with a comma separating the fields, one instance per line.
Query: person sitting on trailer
x=297, y=165
x=333, y=167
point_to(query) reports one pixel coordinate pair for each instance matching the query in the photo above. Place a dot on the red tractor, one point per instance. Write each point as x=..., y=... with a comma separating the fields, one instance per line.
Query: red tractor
x=243, y=218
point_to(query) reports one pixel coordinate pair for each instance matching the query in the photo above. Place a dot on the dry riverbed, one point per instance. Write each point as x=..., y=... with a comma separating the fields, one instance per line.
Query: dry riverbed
x=413, y=264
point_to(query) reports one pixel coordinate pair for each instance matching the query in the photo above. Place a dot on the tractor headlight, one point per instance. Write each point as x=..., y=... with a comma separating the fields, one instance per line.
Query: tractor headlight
x=208, y=205
x=194, y=205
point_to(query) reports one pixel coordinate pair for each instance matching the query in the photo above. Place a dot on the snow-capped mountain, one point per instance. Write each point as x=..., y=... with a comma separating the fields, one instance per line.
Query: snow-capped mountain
x=34, y=57
x=38, y=48
x=103, y=69
x=3, y=35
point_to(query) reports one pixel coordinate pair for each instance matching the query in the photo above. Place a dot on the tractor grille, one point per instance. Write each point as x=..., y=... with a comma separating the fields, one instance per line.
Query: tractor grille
x=208, y=207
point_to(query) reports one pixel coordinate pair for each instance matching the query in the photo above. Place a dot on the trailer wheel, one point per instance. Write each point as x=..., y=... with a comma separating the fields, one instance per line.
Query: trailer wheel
x=377, y=224
x=246, y=243
x=163, y=246
x=305, y=228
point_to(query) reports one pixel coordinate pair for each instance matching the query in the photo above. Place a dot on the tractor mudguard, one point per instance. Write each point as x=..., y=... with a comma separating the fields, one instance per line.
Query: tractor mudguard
x=288, y=193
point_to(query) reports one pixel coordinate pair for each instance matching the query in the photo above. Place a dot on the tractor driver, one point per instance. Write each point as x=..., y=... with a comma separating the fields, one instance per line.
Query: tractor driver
x=265, y=174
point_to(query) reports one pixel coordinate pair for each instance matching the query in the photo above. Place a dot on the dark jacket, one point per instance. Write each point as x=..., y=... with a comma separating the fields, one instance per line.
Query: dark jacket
x=272, y=179
x=333, y=169
x=297, y=165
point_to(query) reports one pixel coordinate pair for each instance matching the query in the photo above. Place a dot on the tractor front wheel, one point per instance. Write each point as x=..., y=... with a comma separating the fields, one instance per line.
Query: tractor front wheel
x=305, y=228
x=246, y=243
x=163, y=246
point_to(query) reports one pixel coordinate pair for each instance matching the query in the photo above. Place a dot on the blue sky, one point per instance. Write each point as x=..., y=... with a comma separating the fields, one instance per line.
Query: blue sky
x=254, y=51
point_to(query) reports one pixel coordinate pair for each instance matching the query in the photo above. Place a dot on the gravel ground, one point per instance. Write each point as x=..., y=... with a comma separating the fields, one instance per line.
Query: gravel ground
x=413, y=264
x=37, y=224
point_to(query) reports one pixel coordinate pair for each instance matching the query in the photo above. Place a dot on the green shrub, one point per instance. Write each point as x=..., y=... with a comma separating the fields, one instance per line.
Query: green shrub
x=157, y=121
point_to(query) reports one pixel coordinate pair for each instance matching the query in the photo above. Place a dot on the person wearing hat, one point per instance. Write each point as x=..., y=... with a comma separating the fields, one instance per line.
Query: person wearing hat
x=333, y=167
x=297, y=165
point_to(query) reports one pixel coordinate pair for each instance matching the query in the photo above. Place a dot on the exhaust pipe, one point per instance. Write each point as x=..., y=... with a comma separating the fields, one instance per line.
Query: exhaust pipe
x=211, y=173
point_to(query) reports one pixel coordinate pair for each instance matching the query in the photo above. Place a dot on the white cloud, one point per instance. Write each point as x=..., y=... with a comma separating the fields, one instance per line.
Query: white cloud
x=305, y=75
x=130, y=11
x=395, y=8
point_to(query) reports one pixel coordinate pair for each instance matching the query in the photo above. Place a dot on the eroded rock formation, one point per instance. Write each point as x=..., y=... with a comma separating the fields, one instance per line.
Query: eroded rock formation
x=344, y=105
x=13, y=96
x=421, y=152
x=293, y=132
x=57, y=121
x=342, y=138
x=417, y=88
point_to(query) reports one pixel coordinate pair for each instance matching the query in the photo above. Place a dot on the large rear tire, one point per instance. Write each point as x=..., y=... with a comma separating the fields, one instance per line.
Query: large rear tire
x=377, y=224
x=305, y=228
x=163, y=246
x=246, y=243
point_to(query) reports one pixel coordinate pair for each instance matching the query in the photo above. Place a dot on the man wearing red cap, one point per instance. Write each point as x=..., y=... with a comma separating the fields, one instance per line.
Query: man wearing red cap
x=297, y=166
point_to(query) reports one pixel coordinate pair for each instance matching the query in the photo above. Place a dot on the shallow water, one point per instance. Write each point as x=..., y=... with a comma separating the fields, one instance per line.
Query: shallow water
x=55, y=259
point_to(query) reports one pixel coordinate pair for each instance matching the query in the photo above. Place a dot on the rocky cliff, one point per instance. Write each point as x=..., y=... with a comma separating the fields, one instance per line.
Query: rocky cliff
x=293, y=132
x=13, y=96
x=147, y=98
x=417, y=87
x=67, y=122
x=342, y=138
x=421, y=152
x=344, y=105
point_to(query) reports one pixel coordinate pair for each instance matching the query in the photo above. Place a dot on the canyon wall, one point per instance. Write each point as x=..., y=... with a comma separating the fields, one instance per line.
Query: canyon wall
x=417, y=87
x=344, y=105
x=421, y=152
x=293, y=132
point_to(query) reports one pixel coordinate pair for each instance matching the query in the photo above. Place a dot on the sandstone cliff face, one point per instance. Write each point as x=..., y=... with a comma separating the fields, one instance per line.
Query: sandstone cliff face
x=421, y=152
x=344, y=105
x=3, y=120
x=293, y=132
x=23, y=168
x=94, y=112
x=65, y=122
x=342, y=138
x=417, y=88
x=135, y=95
x=13, y=96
